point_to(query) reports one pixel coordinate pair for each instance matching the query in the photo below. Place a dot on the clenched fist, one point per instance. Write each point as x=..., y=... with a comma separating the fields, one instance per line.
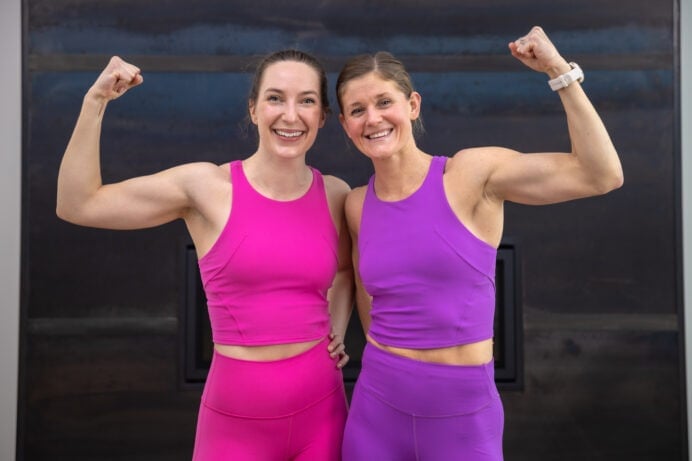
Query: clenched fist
x=536, y=51
x=118, y=77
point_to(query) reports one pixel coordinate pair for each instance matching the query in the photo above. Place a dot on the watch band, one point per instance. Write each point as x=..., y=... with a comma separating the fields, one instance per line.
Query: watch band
x=566, y=79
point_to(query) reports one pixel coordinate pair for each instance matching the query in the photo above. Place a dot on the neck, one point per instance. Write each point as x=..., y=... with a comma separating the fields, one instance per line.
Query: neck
x=278, y=178
x=399, y=176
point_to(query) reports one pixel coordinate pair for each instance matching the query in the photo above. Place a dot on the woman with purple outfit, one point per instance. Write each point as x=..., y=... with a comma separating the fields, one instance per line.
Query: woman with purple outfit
x=425, y=232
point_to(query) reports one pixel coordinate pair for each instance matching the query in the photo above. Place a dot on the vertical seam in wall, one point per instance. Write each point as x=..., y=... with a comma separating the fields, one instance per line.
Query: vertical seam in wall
x=684, y=22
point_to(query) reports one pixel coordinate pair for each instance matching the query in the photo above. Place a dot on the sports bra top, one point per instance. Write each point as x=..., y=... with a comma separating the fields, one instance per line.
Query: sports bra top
x=431, y=280
x=267, y=275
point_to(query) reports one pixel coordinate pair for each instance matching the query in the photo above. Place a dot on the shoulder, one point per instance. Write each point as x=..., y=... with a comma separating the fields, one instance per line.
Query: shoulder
x=357, y=194
x=200, y=177
x=336, y=190
x=354, y=208
x=355, y=200
x=200, y=170
x=478, y=161
x=335, y=185
x=484, y=154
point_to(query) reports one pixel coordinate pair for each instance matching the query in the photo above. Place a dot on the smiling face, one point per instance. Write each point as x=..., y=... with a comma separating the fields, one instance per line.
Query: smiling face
x=377, y=116
x=288, y=110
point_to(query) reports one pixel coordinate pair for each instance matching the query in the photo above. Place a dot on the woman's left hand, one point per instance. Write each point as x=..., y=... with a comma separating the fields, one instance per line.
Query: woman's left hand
x=536, y=51
x=336, y=349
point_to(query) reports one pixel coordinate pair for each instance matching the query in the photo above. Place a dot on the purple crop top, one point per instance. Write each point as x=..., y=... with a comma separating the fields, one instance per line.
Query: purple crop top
x=432, y=281
x=266, y=277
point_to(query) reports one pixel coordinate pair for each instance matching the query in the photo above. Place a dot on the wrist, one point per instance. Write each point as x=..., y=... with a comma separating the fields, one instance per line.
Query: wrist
x=558, y=69
x=94, y=104
x=574, y=74
x=95, y=96
x=94, y=100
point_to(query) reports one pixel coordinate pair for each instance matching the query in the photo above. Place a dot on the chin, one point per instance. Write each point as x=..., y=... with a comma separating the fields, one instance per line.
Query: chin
x=377, y=154
x=292, y=154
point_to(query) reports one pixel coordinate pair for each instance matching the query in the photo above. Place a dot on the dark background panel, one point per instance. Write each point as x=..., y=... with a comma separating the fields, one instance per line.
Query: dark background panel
x=599, y=291
x=219, y=27
x=106, y=394
x=586, y=384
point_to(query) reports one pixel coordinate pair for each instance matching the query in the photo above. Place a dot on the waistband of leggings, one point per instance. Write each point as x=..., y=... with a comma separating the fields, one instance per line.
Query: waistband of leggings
x=426, y=389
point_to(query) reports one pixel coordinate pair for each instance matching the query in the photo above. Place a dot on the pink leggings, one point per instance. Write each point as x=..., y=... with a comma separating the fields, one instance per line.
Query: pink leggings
x=284, y=410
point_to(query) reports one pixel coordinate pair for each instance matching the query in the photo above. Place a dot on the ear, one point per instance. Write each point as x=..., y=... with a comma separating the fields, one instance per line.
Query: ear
x=323, y=119
x=251, y=110
x=415, y=101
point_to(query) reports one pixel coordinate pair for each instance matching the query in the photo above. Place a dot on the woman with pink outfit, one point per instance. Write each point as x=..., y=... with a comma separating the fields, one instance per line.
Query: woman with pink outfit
x=273, y=254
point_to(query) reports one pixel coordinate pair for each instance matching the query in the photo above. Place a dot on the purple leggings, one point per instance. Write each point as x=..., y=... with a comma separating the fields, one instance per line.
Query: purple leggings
x=284, y=410
x=408, y=410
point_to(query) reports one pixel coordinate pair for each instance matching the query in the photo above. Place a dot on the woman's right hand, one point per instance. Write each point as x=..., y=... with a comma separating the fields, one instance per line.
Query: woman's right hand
x=117, y=77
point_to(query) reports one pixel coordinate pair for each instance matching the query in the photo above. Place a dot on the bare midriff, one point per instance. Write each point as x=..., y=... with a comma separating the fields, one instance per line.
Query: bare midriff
x=265, y=353
x=478, y=353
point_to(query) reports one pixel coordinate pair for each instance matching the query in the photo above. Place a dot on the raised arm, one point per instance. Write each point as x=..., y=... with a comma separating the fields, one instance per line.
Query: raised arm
x=83, y=199
x=591, y=168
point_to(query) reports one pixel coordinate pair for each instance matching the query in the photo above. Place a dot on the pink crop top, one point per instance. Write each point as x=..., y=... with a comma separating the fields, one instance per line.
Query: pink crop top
x=431, y=280
x=267, y=275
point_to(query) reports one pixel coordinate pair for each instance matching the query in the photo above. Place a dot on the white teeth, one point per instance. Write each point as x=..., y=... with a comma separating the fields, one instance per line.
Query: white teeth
x=378, y=135
x=286, y=134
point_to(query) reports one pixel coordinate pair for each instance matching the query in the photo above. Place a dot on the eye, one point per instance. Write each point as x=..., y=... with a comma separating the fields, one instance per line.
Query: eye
x=273, y=98
x=309, y=100
x=356, y=111
x=385, y=102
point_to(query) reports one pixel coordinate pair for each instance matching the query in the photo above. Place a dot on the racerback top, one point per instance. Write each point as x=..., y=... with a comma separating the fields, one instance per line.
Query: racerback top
x=267, y=275
x=431, y=280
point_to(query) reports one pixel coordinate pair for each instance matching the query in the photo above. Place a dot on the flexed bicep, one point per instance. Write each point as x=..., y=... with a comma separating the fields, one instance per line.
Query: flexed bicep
x=139, y=202
x=538, y=178
x=592, y=167
x=82, y=198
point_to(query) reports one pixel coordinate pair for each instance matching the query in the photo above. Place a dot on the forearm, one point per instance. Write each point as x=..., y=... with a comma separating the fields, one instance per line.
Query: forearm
x=340, y=298
x=591, y=143
x=593, y=166
x=79, y=176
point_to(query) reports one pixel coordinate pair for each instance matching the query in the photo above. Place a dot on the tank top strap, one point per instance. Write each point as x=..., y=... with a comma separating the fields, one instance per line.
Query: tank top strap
x=238, y=178
x=432, y=189
x=371, y=186
x=437, y=167
x=437, y=170
x=317, y=183
x=370, y=199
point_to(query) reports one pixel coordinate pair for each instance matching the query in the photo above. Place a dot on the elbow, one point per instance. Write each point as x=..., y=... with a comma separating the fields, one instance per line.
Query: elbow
x=61, y=208
x=610, y=182
x=67, y=213
x=62, y=213
x=615, y=177
x=619, y=180
x=71, y=207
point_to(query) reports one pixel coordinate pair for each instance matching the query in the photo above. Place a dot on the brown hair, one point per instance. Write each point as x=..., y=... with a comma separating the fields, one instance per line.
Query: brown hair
x=290, y=55
x=384, y=65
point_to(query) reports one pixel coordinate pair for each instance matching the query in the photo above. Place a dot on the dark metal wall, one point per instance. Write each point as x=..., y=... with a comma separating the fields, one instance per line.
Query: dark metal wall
x=100, y=376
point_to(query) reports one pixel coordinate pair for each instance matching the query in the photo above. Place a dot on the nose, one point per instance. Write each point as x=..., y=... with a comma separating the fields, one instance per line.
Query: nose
x=372, y=117
x=291, y=112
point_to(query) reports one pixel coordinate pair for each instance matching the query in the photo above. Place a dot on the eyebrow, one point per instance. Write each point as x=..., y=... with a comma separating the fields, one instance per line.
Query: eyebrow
x=377, y=96
x=277, y=90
